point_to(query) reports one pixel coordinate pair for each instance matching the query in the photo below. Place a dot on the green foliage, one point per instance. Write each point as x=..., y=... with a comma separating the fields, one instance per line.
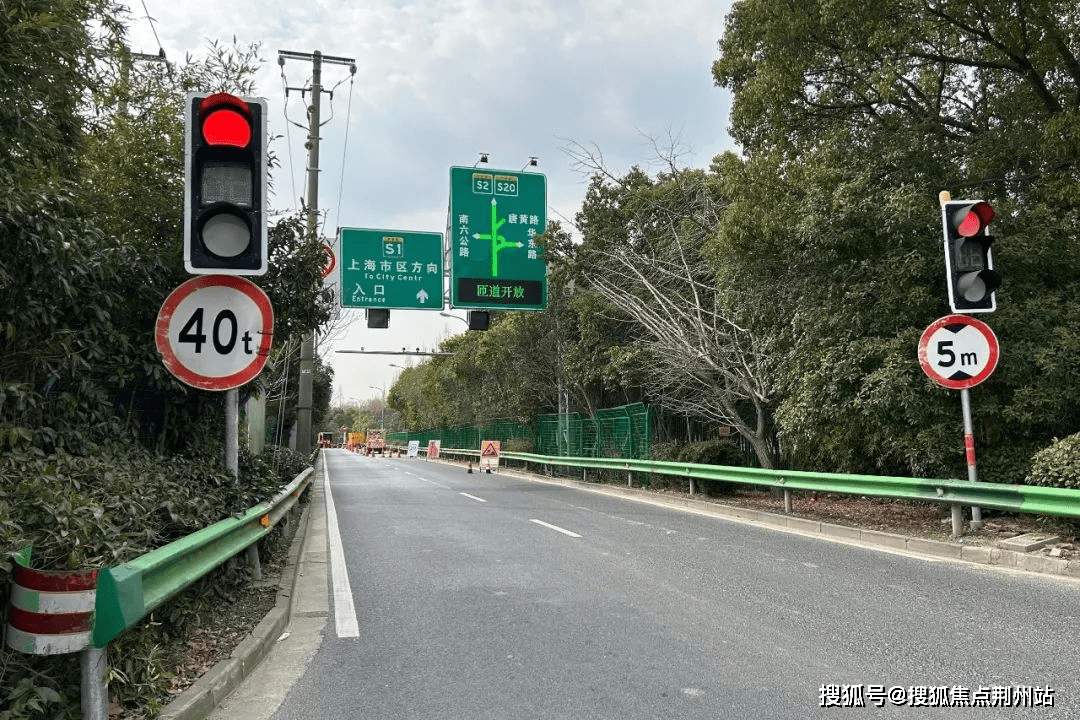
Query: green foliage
x=520, y=445
x=852, y=120
x=45, y=688
x=1057, y=465
x=82, y=512
x=711, y=452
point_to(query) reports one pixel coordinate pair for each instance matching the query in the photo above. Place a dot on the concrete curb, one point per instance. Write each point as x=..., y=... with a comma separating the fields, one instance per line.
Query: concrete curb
x=983, y=555
x=204, y=695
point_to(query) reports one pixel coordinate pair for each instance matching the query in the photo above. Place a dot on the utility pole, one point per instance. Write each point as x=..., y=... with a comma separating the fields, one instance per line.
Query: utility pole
x=307, y=346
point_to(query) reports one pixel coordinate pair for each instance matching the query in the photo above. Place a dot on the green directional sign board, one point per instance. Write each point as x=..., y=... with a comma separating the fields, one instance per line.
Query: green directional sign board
x=495, y=261
x=391, y=269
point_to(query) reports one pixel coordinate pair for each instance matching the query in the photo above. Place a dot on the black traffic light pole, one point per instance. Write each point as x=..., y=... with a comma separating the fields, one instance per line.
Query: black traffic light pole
x=307, y=346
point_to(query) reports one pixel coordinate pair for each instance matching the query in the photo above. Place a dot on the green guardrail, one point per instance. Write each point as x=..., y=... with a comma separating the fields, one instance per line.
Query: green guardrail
x=128, y=592
x=1036, y=499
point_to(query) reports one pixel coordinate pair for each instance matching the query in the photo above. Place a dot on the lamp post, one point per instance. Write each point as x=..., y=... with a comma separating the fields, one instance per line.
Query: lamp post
x=448, y=315
x=382, y=409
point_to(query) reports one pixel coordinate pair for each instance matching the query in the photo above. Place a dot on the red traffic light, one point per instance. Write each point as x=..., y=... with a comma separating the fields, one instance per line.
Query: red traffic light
x=226, y=120
x=969, y=221
x=225, y=185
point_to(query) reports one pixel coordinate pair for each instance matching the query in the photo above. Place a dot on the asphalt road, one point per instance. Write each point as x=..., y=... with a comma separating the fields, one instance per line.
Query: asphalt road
x=489, y=596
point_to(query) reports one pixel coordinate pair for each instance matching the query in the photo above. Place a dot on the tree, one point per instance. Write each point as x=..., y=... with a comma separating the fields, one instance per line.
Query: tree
x=852, y=118
x=644, y=251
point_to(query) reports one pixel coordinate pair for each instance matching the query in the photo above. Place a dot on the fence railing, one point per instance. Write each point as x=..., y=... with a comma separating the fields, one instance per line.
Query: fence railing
x=624, y=431
x=1064, y=502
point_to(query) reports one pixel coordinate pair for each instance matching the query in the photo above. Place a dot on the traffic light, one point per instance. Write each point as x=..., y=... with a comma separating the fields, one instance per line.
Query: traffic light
x=378, y=319
x=225, y=185
x=479, y=319
x=969, y=263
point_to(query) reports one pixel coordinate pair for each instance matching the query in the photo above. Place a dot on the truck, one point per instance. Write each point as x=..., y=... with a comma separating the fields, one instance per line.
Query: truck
x=326, y=440
x=376, y=441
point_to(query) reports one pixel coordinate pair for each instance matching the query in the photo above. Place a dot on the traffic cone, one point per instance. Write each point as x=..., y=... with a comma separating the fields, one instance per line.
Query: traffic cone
x=470, y=466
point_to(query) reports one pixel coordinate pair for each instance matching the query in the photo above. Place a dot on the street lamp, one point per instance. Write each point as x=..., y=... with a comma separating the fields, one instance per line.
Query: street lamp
x=382, y=408
x=446, y=314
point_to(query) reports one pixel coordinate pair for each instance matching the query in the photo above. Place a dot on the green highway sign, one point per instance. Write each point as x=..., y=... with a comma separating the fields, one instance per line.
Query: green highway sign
x=495, y=216
x=391, y=269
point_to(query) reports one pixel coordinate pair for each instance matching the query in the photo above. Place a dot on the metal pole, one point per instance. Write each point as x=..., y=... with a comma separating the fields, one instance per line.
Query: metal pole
x=232, y=433
x=95, y=689
x=307, y=346
x=232, y=462
x=969, y=447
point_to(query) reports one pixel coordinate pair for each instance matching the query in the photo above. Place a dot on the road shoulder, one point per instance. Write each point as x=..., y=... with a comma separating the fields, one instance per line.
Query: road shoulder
x=253, y=682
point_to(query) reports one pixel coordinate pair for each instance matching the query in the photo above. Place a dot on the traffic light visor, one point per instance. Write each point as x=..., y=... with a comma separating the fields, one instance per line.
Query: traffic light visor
x=971, y=220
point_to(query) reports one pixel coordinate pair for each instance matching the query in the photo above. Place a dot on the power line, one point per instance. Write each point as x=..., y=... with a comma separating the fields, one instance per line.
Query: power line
x=344, y=148
x=152, y=28
x=288, y=137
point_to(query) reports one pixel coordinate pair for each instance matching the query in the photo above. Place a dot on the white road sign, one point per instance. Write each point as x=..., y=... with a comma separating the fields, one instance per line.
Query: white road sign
x=958, y=351
x=214, y=331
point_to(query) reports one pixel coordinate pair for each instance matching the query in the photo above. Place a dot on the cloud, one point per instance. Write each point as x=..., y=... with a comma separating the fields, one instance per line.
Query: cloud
x=439, y=81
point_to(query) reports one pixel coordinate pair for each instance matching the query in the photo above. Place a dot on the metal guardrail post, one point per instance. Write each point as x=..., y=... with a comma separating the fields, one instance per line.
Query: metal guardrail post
x=95, y=687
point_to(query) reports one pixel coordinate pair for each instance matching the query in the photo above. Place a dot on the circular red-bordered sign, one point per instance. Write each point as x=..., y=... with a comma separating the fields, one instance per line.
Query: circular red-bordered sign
x=214, y=331
x=331, y=261
x=958, y=351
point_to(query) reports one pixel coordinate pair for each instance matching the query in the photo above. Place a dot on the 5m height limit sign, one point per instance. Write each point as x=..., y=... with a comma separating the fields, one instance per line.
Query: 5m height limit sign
x=959, y=352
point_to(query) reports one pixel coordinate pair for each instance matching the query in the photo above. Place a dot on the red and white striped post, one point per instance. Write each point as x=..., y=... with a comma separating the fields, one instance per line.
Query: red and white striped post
x=969, y=452
x=51, y=613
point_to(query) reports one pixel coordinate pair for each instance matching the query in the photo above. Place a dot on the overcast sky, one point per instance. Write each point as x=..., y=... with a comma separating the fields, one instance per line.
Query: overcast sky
x=440, y=81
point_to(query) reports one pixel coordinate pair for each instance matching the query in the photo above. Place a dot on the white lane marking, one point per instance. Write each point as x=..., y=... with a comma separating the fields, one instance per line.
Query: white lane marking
x=432, y=482
x=344, y=610
x=556, y=528
x=473, y=497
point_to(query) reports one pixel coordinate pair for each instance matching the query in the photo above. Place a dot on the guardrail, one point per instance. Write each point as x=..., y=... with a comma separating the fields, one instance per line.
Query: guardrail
x=128, y=592
x=1037, y=499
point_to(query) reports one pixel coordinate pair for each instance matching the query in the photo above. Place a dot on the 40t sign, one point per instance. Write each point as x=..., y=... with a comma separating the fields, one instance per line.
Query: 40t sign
x=214, y=331
x=958, y=351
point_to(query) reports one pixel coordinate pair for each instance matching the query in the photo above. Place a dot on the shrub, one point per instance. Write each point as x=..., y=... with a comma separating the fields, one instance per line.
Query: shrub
x=1057, y=465
x=90, y=511
x=712, y=452
x=521, y=445
x=665, y=451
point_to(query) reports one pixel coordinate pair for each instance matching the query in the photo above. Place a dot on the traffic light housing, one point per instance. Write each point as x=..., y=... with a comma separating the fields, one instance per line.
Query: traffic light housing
x=969, y=262
x=479, y=319
x=378, y=318
x=225, y=185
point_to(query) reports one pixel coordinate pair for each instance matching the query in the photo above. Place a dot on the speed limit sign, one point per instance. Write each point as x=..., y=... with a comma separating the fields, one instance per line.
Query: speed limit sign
x=214, y=331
